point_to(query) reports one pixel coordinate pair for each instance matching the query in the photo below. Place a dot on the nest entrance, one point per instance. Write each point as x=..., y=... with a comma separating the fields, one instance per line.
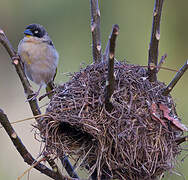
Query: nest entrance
x=133, y=141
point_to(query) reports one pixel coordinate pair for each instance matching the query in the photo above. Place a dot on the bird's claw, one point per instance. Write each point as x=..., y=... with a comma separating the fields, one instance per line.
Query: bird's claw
x=15, y=59
x=33, y=97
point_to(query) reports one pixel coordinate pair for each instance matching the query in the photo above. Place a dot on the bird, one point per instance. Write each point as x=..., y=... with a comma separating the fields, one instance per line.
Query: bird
x=39, y=57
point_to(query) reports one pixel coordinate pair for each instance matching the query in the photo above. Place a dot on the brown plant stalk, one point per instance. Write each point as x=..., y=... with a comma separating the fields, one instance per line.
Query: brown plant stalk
x=95, y=30
x=174, y=81
x=110, y=83
x=154, y=42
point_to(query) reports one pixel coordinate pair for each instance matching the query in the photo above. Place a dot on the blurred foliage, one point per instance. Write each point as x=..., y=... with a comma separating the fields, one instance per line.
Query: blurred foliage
x=68, y=24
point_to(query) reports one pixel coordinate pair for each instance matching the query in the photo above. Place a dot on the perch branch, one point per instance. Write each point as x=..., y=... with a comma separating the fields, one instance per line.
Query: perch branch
x=22, y=149
x=177, y=77
x=95, y=30
x=67, y=165
x=19, y=69
x=161, y=62
x=154, y=42
x=110, y=83
x=26, y=85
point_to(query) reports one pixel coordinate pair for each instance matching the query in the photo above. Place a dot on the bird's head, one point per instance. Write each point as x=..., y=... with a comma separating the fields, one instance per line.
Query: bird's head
x=35, y=30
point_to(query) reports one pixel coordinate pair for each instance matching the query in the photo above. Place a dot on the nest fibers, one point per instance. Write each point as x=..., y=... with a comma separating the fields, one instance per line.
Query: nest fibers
x=134, y=141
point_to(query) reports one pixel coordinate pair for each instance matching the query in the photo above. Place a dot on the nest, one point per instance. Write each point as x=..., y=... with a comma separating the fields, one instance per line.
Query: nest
x=133, y=141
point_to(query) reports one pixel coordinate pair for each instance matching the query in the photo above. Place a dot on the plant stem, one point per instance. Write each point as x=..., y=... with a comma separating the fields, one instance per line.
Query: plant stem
x=174, y=81
x=154, y=42
x=95, y=30
x=110, y=83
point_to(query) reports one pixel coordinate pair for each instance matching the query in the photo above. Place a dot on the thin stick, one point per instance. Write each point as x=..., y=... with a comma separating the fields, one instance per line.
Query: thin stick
x=65, y=161
x=154, y=42
x=177, y=77
x=22, y=149
x=110, y=83
x=181, y=140
x=54, y=166
x=26, y=85
x=106, y=52
x=26, y=119
x=95, y=30
x=161, y=62
x=17, y=64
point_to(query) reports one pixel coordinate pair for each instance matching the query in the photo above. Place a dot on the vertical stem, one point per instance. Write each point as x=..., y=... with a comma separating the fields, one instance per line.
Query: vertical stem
x=111, y=79
x=95, y=30
x=154, y=42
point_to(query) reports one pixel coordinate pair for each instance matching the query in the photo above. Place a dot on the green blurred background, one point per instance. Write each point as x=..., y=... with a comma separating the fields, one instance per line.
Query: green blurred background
x=68, y=24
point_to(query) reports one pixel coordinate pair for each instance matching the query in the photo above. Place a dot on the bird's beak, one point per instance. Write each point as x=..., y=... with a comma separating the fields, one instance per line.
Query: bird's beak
x=28, y=32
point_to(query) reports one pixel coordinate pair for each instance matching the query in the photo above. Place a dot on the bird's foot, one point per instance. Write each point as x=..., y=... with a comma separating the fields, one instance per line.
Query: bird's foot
x=46, y=94
x=15, y=59
x=33, y=97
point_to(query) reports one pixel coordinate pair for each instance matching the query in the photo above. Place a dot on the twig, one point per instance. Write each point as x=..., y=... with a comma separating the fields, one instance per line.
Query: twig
x=182, y=140
x=95, y=30
x=18, y=66
x=67, y=165
x=54, y=166
x=26, y=119
x=106, y=52
x=110, y=83
x=178, y=75
x=154, y=42
x=26, y=85
x=161, y=62
x=22, y=149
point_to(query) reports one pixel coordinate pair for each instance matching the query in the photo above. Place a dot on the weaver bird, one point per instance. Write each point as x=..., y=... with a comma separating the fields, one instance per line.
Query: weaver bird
x=39, y=57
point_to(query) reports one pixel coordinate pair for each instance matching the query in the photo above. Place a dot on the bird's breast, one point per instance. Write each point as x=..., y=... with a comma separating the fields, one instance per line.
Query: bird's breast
x=40, y=60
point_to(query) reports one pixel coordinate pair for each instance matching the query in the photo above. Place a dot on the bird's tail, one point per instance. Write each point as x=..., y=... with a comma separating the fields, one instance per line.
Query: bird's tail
x=50, y=89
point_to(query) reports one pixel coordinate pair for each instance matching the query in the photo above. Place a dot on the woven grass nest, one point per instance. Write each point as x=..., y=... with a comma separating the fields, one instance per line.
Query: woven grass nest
x=134, y=141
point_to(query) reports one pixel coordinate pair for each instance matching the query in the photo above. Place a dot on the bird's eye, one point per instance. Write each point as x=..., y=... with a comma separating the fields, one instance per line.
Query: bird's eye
x=36, y=32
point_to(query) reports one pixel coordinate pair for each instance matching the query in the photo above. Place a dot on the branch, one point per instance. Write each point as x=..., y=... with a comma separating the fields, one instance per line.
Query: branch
x=161, y=62
x=110, y=83
x=106, y=52
x=68, y=167
x=54, y=166
x=177, y=77
x=26, y=85
x=22, y=149
x=95, y=30
x=181, y=140
x=18, y=66
x=154, y=42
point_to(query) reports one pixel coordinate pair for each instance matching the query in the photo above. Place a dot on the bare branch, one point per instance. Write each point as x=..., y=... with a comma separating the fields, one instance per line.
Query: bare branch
x=181, y=140
x=154, y=42
x=26, y=85
x=110, y=83
x=68, y=167
x=106, y=52
x=95, y=30
x=22, y=149
x=54, y=166
x=18, y=66
x=177, y=77
x=161, y=62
